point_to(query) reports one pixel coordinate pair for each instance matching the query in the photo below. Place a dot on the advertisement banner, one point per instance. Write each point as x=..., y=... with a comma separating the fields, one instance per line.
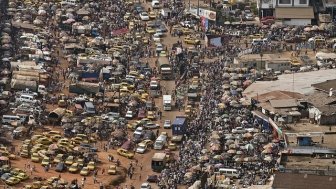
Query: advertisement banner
x=205, y=23
x=211, y=15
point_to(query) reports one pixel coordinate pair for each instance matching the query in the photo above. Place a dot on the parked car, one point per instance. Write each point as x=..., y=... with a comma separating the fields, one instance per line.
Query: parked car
x=125, y=153
x=167, y=124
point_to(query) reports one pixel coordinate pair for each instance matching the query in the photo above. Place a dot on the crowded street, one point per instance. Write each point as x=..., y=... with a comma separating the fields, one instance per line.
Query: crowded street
x=125, y=94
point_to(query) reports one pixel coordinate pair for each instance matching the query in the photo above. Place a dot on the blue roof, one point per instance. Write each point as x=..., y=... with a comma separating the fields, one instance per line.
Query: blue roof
x=179, y=121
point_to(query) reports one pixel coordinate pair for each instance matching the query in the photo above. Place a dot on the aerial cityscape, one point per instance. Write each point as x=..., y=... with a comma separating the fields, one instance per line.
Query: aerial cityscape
x=167, y=94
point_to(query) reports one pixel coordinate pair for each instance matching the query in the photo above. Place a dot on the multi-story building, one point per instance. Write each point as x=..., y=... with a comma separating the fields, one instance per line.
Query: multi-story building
x=291, y=12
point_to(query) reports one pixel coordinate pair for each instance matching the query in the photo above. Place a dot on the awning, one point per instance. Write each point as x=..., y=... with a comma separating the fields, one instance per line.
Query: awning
x=294, y=12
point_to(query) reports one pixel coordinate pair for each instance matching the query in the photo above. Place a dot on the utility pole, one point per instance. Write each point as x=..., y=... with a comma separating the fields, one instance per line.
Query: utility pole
x=198, y=14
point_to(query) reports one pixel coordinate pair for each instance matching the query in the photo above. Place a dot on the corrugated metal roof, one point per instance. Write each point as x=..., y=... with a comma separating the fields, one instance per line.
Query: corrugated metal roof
x=294, y=12
x=303, y=181
x=284, y=103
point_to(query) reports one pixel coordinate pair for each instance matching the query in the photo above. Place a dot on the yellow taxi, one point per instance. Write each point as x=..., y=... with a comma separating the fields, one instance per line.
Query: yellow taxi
x=191, y=40
x=186, y=31
x=35, y=158
x=172, y=146
x=91, y=165
x=74, y=168
x=125, y=153
x=112, y=170
x=150, y=115
x=152, y=15
x=85, y=171
x=150, y=30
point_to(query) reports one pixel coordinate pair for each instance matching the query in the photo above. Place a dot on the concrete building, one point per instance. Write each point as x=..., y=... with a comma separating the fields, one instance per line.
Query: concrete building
x=322, y=103
x=281, y=106
x=265, y=62
x=291, y=12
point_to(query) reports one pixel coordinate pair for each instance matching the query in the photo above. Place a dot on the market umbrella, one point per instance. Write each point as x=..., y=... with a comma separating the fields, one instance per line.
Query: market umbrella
x=267, y=151
x=228, y=142
x=307, y=29
x=37, y=22
x=204, y=151
x=42, y=12
x=4, y=158
x=204, y=158
x=232, y=146
x=268, y=158
x=239, y=152
x=249, y=146
x=267, y=146
x=70, y=10
x=231, y=151
x=239, y=159
x=247, y=136
x=248, y=159
x=3, y=102
x=217, y=157
x=314, y=28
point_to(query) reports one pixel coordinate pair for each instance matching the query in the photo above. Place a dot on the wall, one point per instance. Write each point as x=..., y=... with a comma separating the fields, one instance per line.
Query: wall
x=327, y=120
x=278, y=66
x=267, y=5
x=295, y=3
x=297, y=22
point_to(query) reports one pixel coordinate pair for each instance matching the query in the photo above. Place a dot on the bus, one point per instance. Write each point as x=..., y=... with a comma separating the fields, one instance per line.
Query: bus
x=229, y=172
x=159, y=161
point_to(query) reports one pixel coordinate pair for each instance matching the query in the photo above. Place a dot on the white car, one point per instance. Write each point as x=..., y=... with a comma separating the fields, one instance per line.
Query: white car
x=156, y=38
x=145, y=185
x=144, y=16
x=159, y=47
x=186, y=24
x=167, y=124
x=141, y=148
x=129, y=114
x=159, y=33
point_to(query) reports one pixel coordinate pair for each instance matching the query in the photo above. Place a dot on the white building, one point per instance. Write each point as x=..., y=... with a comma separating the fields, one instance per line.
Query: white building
x=291, y=12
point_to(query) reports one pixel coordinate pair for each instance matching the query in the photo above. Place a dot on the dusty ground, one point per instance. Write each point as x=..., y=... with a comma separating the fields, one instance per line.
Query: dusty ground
x=145, y=159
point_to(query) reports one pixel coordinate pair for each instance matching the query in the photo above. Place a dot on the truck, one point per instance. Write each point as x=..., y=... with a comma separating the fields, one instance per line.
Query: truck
x=179, y=126
x=85, y=88
x=165, y=68
x=159, y=161
x=19, y=84
x=167, y=102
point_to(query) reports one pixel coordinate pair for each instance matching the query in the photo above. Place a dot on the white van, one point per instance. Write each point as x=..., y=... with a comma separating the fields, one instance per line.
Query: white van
x=26, y=99
x=229, y=172
x=155, y=4
x=160, y=142
x=8, y=119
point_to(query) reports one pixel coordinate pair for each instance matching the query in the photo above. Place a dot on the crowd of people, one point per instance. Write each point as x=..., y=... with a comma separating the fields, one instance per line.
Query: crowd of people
x=224, y=132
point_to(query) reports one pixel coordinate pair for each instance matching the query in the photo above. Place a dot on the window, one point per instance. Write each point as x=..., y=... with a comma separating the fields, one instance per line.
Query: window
x=284, y=1
x=303, y=2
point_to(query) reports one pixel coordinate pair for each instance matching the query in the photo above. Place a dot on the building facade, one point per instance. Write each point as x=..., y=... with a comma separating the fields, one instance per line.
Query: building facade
x=291, y=12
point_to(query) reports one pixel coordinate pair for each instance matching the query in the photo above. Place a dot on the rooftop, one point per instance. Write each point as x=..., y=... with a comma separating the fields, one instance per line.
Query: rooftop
x=302, y=83
x=266, y=57
x=325, y=86
x=277, y=95
x=285, y=103
x=303, y=181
